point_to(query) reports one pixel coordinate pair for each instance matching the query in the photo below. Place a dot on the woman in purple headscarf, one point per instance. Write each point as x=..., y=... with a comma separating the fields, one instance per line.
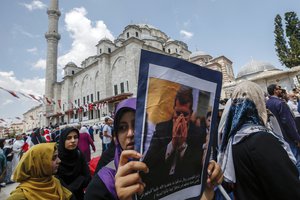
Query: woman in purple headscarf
x=118, y=179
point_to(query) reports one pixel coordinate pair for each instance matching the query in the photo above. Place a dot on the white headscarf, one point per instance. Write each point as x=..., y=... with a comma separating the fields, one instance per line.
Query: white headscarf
x=83, y=130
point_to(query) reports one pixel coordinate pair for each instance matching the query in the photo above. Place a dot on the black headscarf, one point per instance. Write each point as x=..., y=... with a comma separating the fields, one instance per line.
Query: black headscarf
x=69, y=158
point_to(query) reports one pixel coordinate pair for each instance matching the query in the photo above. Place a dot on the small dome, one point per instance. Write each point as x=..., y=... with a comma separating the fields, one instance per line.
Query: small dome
x=255, y=67
x=198, y=53
x=146, y=26
x=71, y=64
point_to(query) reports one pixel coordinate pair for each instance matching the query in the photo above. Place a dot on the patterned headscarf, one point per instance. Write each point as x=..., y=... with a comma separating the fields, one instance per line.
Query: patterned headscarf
x=247, y=115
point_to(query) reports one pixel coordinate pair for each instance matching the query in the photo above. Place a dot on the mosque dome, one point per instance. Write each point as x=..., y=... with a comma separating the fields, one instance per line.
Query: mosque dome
x=198, y=53
x=71, y=64
x=146, y=26
x=255, y=67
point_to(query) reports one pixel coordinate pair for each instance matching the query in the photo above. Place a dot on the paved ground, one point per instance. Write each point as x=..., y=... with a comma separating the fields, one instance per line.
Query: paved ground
x=4, y=193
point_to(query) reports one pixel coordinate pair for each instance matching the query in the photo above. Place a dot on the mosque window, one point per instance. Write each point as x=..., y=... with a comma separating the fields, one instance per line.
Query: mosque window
x=100, y=51
x=109, y=50
x=116, y=89
x=83, y=100
x=169, y=50
x=73, y=72
x=136, y=34
x=176, y=50
x=88, y=98
x=122, y=87
x=127, y=34
x=78, y=102
x=75, y=101
x=92, y=97
x=98, y=95
x=164, y=49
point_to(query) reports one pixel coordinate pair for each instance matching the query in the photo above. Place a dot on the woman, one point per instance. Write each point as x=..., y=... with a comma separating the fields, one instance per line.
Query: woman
x=84, y=143
x=258, y=163
x=73, y=171
x=17, y=148
x=35, y=174
x=103, y=185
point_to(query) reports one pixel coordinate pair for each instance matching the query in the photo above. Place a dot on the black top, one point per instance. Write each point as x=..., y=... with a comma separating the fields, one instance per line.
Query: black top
x=97, y=190
x=264, y=170
x=8, y=153
x=73, y=171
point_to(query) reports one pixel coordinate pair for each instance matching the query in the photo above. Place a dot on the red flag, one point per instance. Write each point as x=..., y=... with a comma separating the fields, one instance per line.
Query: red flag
x=32, y=96
x=91, y=106
x=11, y=92
x=48, y=101
x=59, y=103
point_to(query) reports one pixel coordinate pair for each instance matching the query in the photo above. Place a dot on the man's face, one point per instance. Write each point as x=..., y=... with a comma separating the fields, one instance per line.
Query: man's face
x=278, y=91
x=182, y=109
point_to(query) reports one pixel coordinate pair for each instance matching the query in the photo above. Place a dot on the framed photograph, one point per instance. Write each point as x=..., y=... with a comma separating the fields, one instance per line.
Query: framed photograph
x=176, y=117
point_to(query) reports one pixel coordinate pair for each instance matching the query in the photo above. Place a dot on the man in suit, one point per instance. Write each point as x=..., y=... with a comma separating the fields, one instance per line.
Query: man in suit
x=175, y=150
x=285, y=119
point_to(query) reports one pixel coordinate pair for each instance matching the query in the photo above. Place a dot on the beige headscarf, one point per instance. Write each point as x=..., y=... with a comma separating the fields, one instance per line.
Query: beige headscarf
x=252, y=91
x=34, y=172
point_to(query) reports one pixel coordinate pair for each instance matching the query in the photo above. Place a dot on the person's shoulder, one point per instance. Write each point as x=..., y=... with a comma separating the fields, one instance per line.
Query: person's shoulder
x=17, y=194
x=262, y=140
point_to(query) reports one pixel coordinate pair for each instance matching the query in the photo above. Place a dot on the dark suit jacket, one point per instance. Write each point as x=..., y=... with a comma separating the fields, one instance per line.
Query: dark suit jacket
x=285, y=118
x=190, y=164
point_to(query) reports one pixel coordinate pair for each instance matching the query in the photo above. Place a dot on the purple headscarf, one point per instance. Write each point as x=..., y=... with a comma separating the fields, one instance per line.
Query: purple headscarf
x=106, y=174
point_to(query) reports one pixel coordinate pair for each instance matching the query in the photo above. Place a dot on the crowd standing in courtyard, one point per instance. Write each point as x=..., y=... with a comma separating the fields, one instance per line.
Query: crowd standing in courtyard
x=258, y=143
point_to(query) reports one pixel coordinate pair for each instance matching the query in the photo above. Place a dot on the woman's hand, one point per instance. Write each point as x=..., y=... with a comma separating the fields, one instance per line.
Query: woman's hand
x=214, y=178
x=127, y=180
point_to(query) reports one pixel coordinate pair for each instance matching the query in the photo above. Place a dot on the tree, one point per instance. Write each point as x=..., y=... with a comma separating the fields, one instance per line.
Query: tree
x=287, y=44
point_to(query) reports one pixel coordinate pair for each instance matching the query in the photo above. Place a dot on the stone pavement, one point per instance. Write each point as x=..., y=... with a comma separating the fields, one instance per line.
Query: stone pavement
x=4, y=193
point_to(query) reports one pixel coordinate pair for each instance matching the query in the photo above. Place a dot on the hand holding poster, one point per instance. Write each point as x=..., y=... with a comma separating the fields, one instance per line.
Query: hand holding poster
x=174, y=96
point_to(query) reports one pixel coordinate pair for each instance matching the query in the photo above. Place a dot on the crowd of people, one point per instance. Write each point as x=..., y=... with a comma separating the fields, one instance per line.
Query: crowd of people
x=258, y=151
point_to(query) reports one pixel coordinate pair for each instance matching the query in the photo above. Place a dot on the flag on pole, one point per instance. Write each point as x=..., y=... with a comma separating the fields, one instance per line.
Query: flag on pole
x=11, y=92
x=48, y=101
x=35, y=98
x=59, y=103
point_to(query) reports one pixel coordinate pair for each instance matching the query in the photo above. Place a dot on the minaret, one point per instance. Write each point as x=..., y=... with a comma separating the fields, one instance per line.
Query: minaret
x=52, y=37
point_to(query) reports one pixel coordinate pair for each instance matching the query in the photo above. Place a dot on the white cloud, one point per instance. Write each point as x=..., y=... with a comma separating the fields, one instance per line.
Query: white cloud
x=85, y=36
x=40, y=64
x=35, y=5
x=186, y=35
x=32, y=50
x=34, y=85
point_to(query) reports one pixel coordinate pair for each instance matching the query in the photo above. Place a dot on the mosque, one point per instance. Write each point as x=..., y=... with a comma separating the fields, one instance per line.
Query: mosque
x=90, y=91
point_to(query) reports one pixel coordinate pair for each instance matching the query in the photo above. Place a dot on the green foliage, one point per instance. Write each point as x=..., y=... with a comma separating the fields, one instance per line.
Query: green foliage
x=287, y=43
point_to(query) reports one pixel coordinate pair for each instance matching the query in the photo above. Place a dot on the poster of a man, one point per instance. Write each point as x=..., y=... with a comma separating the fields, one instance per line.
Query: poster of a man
x=172, y=143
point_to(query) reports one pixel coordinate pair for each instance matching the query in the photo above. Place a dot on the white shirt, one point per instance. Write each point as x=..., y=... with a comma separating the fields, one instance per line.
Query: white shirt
x=294, y=107
x=107, y=128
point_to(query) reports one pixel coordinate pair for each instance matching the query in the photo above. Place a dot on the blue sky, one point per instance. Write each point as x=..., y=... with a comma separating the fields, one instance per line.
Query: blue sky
x=239, y=29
